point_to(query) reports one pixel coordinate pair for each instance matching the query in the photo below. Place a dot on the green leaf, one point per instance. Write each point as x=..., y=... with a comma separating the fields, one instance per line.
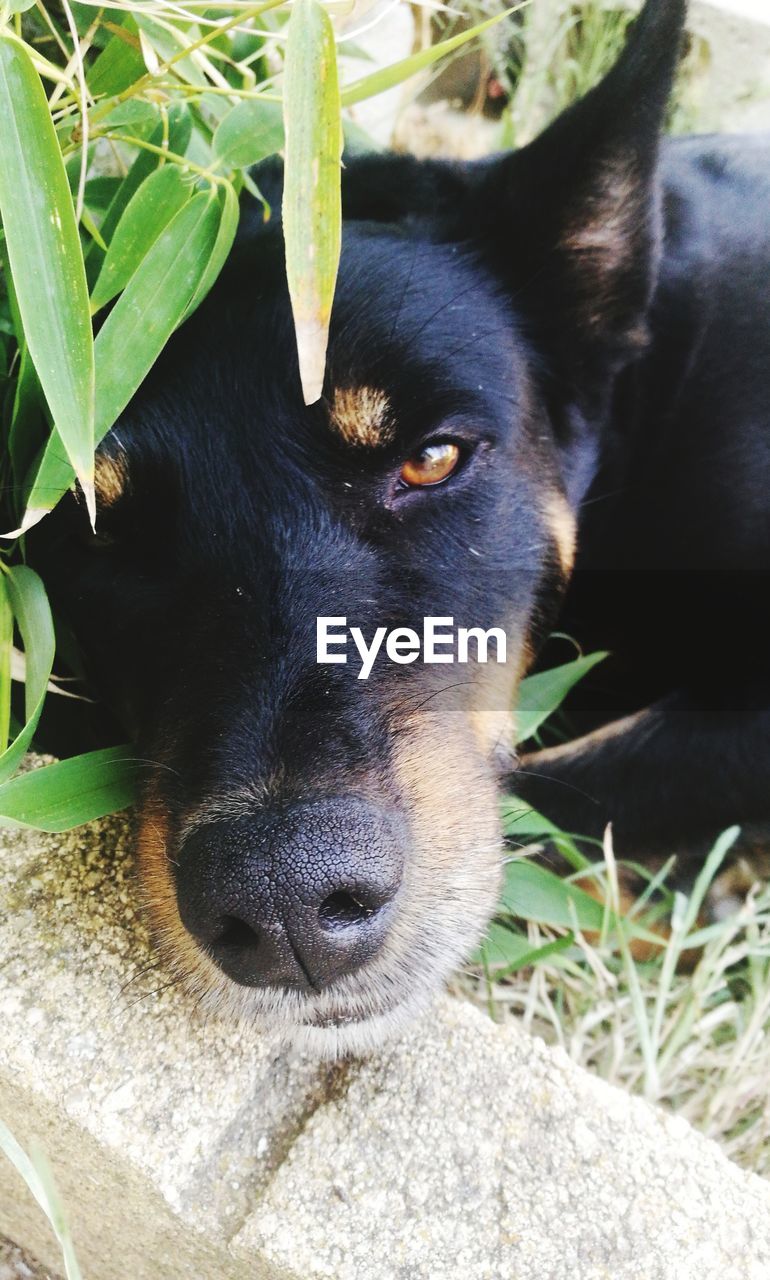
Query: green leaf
x=179, y=131
x=135, y=332
x=60, y=796
x=133, y=114
x=248, y=133
x=36, y=1173
x=100, y=191
x=228, y=226
x=369, y=86
x=46, y=260
x=532, y=892
x=540, y=695
x=28, y=426
x=20, y=6
x=152, y=305
x=524, y=825
x=502, y=945
x=120, y=64
x=149, y=210
x=167, y=42
x=521, y=820
x=33, y=617
x=6, y=650
x=506, y=952
x=312, y=205
x=28, y=423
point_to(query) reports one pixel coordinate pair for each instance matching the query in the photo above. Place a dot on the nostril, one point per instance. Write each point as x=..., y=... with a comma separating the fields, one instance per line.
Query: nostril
x=235, y=935
x=342, y=909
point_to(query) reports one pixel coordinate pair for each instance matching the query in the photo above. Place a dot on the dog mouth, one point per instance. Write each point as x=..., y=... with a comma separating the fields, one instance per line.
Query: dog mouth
x=332, y=1021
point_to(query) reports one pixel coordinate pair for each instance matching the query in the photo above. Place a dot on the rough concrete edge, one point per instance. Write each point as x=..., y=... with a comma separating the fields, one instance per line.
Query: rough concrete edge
x=116, y=1205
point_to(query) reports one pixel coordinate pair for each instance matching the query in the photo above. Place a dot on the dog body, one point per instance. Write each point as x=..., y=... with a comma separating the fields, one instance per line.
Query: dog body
x=673, y=569
x=567, y=343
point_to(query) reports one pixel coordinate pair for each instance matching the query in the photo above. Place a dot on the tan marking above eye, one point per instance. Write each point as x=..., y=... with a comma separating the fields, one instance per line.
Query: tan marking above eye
x=362, y=416
x=431, y=465
x=110, y=478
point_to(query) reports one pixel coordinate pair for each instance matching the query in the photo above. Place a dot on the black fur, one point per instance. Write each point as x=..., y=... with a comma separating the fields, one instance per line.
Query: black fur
x=588, y=317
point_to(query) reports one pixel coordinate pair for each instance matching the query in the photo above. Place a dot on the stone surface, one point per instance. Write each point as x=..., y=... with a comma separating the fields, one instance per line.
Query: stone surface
x=733, y=91
x=16, y=1265
x=472, y=1152
x=465, y=1152
x=149, y=1118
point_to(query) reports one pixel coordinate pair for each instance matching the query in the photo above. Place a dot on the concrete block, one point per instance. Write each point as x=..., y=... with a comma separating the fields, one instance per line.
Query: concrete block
x=161, y=1130
x=472, y=1152
x=186, y=1150
x=732, y=92
x=16, y=1265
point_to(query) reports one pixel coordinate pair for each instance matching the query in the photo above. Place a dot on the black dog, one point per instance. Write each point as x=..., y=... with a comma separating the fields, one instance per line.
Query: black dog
x=571, y=339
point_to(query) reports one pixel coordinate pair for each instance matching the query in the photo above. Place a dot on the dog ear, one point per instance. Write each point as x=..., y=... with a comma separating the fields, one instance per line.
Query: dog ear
x=571, y=221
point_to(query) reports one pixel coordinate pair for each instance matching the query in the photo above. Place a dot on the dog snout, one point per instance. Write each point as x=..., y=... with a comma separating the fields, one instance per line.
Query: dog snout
x=297, y=899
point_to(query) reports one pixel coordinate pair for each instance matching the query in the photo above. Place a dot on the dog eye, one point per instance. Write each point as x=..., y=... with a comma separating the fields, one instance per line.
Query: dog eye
x=432, y=465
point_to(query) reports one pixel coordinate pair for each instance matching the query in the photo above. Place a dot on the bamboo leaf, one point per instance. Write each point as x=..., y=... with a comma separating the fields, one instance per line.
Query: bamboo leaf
x=135, y=332
x=312, y=206
x=46, y=260
x=23, y=1165
x=70, y=792
x=148, y=211
x=249, y=132
x=152, y=305
x=120, y=63
x=179, y=132
x=33, y=617
x=28, y=426
x=228, y=226
x=6, y=651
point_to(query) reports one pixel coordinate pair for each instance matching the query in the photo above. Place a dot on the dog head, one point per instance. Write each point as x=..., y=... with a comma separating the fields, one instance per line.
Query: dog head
x=318, y=850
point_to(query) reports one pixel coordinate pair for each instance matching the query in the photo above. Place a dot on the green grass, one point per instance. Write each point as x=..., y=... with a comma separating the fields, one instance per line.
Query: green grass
x=551, y=52
x=692, y=1037
x=36, y=1172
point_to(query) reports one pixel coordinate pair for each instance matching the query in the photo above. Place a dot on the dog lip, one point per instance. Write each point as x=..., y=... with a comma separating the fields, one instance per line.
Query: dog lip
x=340, y=1019
x=322, y=1021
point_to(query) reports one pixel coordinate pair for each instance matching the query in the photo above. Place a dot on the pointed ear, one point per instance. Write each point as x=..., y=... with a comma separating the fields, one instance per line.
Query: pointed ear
x=571, y=221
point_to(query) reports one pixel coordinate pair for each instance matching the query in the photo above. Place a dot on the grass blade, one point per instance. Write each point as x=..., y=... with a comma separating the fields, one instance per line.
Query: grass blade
x=312, y=204
x=46, y=259
x=388, y=77
x=542, y=694
x=533, y=893
x=36, y=1172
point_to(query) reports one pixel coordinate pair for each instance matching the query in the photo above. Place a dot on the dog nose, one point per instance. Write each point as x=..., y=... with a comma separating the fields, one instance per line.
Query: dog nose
x=298, y=899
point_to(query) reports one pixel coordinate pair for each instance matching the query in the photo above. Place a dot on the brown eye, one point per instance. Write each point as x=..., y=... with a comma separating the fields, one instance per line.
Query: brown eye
x=431, y=465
